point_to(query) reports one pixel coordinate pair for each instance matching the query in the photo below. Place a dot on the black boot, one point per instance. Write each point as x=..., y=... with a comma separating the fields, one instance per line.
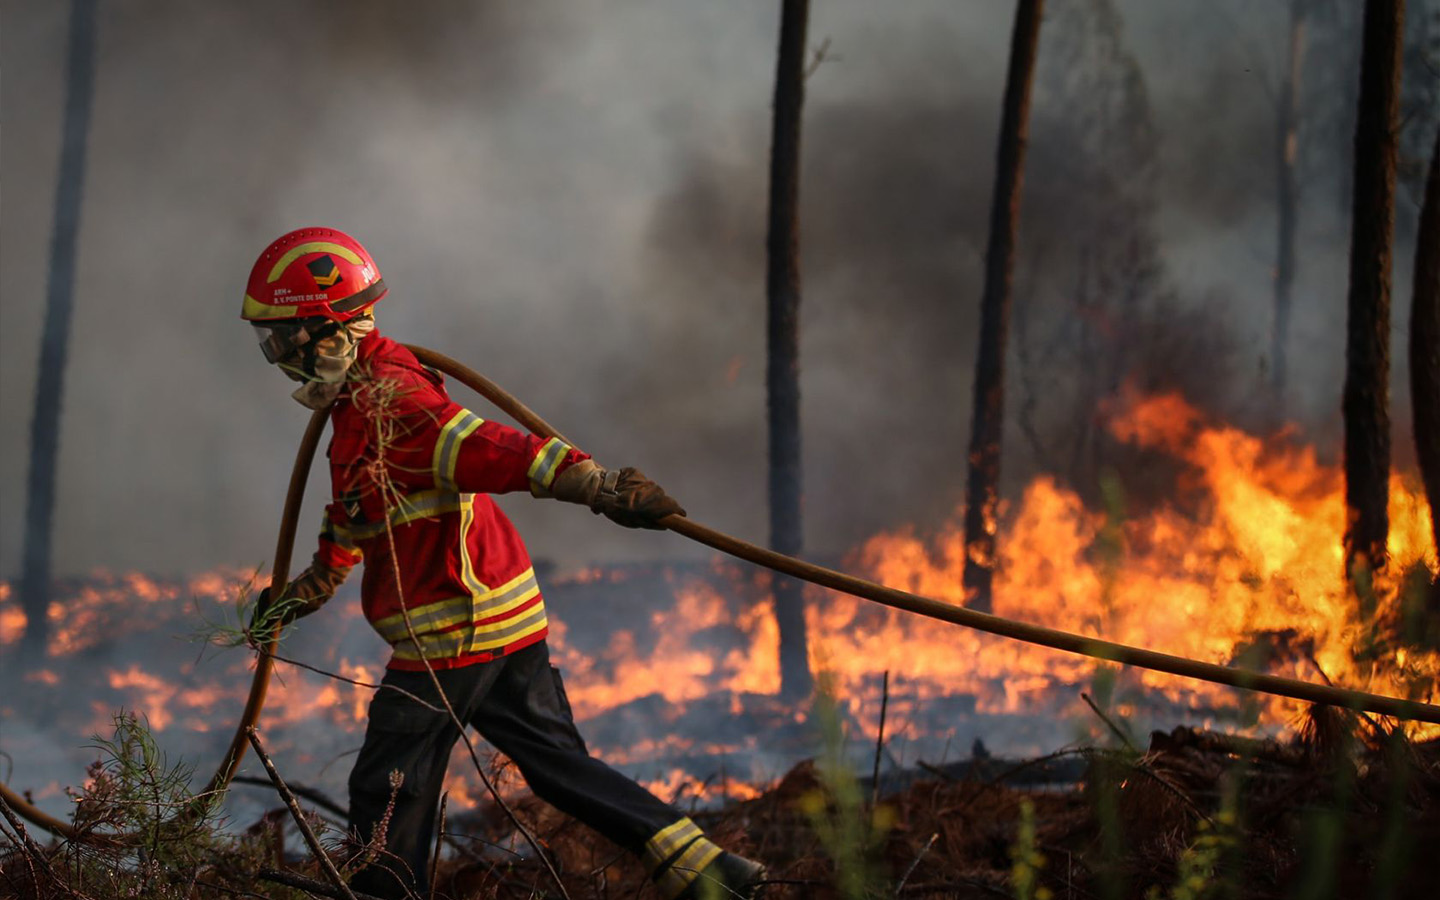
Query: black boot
x=729, y=877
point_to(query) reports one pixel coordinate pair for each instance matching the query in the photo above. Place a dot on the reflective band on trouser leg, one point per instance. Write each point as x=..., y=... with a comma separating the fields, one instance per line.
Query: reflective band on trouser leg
x=447, y=446
x=547, y=461
x=667, y=842
x=445, y=613
x=680, y=874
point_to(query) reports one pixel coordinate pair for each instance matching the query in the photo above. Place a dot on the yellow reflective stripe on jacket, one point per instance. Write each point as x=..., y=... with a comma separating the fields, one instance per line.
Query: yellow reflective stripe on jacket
x=667, y=842
x=547, y=461
x=455, y=610
x=467, y=567
x=419, y=505
x=475, y=640
x=687, y=868
x=337, y=534
x=447, y=446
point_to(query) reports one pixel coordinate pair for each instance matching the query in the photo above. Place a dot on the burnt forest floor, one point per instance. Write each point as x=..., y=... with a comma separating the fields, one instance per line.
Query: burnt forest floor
x=1345, y=810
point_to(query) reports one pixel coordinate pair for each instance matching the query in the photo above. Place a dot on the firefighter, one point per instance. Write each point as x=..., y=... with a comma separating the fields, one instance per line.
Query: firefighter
x=447, y=580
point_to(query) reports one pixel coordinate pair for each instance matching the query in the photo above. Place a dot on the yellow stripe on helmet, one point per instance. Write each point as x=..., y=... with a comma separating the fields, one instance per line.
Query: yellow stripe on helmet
x=254, y=309
x=300, y=250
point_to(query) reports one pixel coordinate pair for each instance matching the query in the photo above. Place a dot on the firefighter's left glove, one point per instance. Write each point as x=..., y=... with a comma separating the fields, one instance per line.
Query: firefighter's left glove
x=625, y=496
x=302, y=597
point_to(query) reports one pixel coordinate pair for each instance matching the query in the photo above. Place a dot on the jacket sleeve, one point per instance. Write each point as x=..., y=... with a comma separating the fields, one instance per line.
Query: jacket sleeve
x=472, y=455
x=432, y=442
x=337, y=549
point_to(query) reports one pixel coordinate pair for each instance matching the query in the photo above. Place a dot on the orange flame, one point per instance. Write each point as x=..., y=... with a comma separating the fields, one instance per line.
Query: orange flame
x=1243, y=566
x=1258, y=559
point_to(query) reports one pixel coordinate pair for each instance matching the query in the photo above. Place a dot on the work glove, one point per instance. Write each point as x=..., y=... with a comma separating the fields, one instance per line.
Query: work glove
x=301, y=597
x=625, y=496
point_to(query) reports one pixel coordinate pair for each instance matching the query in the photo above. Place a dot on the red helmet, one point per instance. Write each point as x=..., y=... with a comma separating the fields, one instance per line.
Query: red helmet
x=312, y=272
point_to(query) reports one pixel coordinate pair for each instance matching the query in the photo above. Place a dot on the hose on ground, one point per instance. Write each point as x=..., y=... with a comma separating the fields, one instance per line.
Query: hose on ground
x=1094, y=648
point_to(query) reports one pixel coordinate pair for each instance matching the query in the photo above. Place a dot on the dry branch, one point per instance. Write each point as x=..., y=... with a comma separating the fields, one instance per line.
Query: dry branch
x=32, y=851
x=314, y=795
x=304, y=826
x=300, y=882
x=1269, y=750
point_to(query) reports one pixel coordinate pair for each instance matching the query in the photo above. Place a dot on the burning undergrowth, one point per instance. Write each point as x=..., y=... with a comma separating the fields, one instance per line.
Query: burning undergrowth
x=672, y=669
x=1338, y=810
x=1342, y=809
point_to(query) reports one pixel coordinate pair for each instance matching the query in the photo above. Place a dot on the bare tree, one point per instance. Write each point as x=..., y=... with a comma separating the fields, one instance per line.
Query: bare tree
x=1367, y=355
x=1425, y=343
x=1095, y=308
x=982, y=493
x=55, y=336
x=1287, y=195
x=782, y=376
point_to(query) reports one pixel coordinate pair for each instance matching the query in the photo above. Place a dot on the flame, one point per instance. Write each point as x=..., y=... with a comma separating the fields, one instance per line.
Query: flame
x=676, y=669
x=152, y=695
x=12, y=617
x=1244, y=565
x=1256, y=560
x=101, y=609
x=359, y=694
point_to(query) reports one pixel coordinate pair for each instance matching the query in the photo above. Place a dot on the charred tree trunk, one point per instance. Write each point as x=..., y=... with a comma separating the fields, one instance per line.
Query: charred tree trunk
x=782, y=375
x=55, y=336
x=1287, y=199
x=1425, y=343
x=1367, y=352
x=982, y=492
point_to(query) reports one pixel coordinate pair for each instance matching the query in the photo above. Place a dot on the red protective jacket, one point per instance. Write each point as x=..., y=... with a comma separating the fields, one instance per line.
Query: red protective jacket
x=403, y=450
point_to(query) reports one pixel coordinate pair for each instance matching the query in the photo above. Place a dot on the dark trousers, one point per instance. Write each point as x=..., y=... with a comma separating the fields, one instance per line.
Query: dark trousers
x=518, y=704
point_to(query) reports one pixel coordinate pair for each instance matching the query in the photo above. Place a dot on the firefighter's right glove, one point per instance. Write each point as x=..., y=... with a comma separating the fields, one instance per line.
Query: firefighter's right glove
x=302, y=597
x=625, y=496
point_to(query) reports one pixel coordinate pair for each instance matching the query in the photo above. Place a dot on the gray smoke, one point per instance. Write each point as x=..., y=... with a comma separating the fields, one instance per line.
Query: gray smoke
x=570, y=197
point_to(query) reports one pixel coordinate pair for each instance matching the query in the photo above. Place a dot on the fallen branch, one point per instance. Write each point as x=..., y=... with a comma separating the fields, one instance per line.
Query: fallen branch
x=28, y=847
x=1267, y=749
x=304, y=826
x=300, y=882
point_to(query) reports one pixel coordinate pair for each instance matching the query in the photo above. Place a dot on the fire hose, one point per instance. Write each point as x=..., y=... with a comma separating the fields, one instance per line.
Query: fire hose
x=1095, y=648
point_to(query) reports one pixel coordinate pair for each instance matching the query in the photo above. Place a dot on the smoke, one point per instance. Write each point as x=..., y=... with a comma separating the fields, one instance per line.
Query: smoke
x=571, y=198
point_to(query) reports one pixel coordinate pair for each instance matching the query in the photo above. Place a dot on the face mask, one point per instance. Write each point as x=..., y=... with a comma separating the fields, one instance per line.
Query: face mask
x=324, y=362
x=330, y=357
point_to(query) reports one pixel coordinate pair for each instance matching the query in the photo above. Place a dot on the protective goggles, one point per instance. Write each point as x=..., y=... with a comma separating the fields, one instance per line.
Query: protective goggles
x=281, y=339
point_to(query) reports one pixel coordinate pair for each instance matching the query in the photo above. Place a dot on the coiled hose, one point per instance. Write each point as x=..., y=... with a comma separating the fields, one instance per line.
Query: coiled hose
x=1109, y=651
